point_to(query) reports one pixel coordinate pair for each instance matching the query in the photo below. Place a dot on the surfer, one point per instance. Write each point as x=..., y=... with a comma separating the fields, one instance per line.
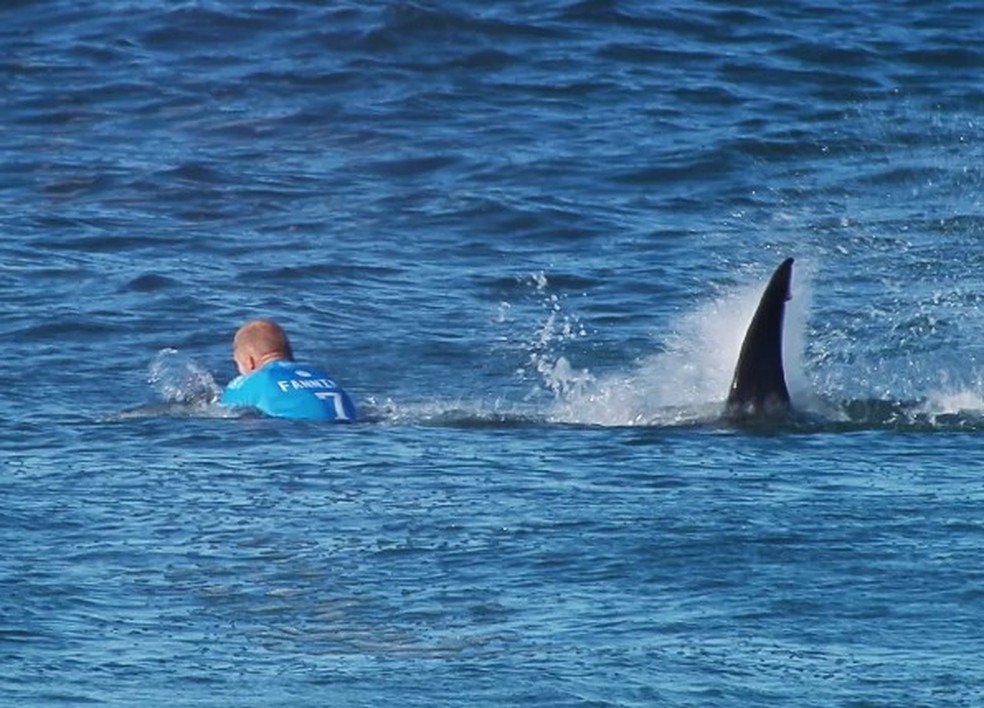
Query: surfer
x=271, y=382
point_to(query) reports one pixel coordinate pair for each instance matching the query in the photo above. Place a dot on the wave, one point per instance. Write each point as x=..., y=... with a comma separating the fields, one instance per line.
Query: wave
x=847, y=416
x=953, y=411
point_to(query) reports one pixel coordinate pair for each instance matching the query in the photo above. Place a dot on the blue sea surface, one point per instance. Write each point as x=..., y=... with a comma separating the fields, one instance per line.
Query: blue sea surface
x=528, y=238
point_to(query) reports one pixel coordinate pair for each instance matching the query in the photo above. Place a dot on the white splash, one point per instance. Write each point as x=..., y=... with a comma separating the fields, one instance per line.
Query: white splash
x=180, y=379
x=556, y=328
x=688, y=380
x=955, y=399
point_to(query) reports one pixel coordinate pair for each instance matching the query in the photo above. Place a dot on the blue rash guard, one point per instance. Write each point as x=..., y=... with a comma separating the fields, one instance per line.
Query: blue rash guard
x=286, y=389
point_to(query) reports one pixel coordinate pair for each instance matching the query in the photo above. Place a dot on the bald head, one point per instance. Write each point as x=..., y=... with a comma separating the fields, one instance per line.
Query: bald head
x=259, y=342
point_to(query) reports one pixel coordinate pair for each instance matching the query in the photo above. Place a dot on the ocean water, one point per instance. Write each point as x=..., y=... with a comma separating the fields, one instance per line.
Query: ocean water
x=528, y=238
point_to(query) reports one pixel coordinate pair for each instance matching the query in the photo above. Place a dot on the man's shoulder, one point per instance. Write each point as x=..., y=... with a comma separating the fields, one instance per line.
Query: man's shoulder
x=298, y=366
x=237, y=383
x=241, y=391
x=296, y=370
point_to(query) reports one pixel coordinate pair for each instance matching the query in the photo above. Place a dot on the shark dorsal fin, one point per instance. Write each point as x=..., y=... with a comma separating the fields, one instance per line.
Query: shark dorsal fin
x=759, y=384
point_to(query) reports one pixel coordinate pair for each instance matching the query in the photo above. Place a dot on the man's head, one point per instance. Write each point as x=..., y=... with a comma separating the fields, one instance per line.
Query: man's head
x=259, y=342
